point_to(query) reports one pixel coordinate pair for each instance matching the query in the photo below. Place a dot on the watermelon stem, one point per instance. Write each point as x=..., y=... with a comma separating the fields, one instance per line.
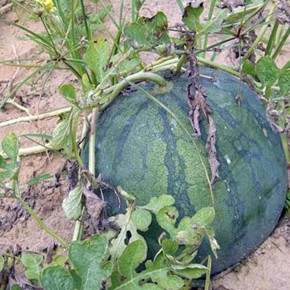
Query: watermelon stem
x=138, y=77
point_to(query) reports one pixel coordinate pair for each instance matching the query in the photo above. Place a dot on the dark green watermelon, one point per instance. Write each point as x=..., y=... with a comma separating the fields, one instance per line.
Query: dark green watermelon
x=143, y=149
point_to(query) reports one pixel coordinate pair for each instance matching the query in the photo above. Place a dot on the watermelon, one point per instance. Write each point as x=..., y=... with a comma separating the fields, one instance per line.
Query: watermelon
x=141, y=147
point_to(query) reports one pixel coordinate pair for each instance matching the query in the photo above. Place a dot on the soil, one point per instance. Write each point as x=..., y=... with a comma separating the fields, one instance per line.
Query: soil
x=268, y=268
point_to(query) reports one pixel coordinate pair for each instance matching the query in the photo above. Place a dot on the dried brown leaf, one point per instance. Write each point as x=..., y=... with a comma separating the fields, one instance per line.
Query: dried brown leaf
x=198, y=108
x=211, y=149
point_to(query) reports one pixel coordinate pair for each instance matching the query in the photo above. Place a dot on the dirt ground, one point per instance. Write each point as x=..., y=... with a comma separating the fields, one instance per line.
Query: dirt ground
x=268, y=268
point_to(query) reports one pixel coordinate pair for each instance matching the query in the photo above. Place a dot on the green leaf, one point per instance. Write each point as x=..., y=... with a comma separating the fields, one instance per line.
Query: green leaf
x=160, y=272
x=166, y=218
x=2, y=185
x=284, y=82
x=60, y=133
x=134, y=254
x=90, y=260
x=100, y=15
x=142, y=219
x=267, y=71
x=128, y=65
x=127, y=225
x=2, y=263
x=32, y=262
x=204, y=216
x=72, y=204
x=76, y=279
x=39, y=178
x=151, y=286
x=249, y=68
x=169, y=247
x=214, y=25
x=15, y=287
x=56, y=278
x=191, y=16
x=156, y=203
x=86, y=82
x=148, y=32
x=10, y=147
x=69, y=92
x=97, y=56
x=4, y=164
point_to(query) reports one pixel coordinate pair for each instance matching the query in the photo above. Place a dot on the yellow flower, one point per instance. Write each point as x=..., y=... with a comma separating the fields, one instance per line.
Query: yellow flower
x=48, y=5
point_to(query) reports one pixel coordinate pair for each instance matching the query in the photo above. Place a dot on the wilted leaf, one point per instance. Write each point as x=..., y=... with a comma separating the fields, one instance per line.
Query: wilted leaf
x=32, y=262
x=267, y=71
x=56, y=278
x=89, y=258
x=211, y=150
x=191, y=230
x=284, y=82
x=213, y=242
x=69, y=92
x=72, y=204
x=188, y=233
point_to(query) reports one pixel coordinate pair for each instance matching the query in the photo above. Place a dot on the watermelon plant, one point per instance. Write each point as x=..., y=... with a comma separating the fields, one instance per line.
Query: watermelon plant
x=185, y=128
x=149, y=150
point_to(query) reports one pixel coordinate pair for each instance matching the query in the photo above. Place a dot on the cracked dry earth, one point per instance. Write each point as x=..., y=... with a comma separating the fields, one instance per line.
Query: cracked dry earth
x=268, y=268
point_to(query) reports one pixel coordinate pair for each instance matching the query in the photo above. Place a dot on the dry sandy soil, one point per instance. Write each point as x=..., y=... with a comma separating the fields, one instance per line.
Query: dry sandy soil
x=266, y=269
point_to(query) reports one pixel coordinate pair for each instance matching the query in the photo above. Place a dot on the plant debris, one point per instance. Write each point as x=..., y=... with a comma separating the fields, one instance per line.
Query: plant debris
x=199, y=107
x=283, y=12
x=14, y=211
x=72, y=170
x=232, y=4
